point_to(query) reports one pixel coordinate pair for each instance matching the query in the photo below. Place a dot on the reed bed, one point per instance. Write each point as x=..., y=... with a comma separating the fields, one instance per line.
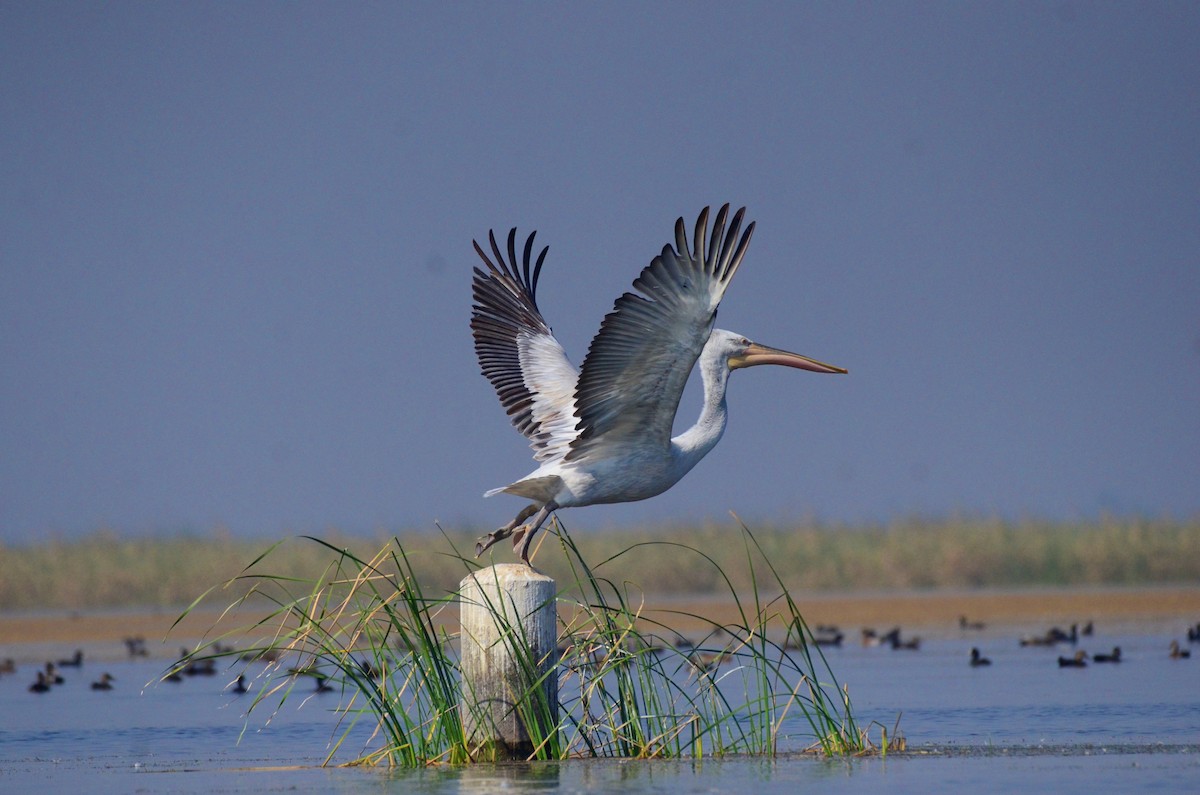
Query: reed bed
x=110, y=569
x=368, y=626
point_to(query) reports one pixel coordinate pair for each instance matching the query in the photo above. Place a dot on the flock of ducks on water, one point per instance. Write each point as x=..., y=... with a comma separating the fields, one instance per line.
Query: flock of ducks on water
x=1052, y=637
x=1055, y=636
x=704, y=661
x=51, y=675
x=823, y=635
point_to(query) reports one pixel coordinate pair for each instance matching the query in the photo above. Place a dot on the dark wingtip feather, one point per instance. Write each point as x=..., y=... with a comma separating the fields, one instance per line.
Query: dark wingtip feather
x=537, y=272
x=714, y=242
x=731, y=239
x=496, y=250
x=525, y=258
x=698, y=241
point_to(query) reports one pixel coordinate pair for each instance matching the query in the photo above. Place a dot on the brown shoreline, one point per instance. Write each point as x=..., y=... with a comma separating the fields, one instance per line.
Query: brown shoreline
x=932, y=612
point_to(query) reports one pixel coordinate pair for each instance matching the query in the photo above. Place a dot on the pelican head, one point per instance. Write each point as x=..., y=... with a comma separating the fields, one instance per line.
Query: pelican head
x=742, y=352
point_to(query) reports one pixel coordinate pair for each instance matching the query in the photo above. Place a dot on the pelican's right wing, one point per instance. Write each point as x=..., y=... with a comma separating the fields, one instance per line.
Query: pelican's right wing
x=638, y=363
x=518, y=352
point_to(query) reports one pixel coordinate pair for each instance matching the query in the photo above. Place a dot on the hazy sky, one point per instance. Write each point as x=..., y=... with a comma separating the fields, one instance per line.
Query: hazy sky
x=235, y=243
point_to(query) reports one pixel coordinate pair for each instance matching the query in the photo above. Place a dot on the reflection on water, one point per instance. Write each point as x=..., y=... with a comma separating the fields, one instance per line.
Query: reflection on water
x=1022, y=721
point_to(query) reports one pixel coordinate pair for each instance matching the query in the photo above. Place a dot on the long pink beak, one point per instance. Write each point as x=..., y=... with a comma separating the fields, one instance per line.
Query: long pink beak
x=761, y=354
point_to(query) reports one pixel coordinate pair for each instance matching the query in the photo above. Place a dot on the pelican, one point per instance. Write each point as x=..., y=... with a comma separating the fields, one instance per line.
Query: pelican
x=603, y=434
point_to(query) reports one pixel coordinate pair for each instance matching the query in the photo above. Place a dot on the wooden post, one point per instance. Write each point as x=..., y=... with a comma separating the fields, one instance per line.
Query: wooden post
x=508, y=617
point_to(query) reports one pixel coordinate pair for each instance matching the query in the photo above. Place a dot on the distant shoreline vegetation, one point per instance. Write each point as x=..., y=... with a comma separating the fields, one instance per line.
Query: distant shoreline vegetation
x=109, y=569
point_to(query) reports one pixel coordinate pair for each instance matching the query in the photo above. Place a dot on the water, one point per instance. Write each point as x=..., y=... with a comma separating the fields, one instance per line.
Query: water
x=1022, y=722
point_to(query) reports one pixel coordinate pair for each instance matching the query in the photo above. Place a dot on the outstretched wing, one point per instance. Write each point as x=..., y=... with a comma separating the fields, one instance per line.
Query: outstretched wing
x=517, y=350
x=639, y=361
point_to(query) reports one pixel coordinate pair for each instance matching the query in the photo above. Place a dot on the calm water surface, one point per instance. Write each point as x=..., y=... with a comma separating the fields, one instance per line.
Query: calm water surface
x=1021, y=723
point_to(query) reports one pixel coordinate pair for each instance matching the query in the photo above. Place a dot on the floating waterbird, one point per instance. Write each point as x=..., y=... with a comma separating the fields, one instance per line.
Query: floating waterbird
x=603, y=434
x=104, y=682
x=240, y=685
x=196, y=666
x=978, y=659
x=892, y=638
x=828, y=636
x=53, y=677
x=963, y=623
x=1078, y=661
x=1053, y=636
x=1115, y=657
x=74, y=661
x=1177, y=653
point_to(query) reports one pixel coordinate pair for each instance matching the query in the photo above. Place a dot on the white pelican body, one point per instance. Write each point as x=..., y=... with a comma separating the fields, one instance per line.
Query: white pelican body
x=603, y=434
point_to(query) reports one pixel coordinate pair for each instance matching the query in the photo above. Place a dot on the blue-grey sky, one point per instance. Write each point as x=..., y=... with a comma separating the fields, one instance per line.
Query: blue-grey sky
x=235, y=243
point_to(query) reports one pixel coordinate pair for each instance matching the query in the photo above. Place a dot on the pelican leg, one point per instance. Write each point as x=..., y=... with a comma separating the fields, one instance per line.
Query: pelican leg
x=523, y=536
x=500, y=534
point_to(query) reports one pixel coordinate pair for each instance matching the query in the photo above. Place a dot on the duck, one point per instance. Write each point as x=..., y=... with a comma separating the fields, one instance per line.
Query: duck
x=9, y=666
x=42, y=685
x=1053, y=636
x=323, y=685
x=1178, y=653
x=201, y=667
x=74, y=661
x=1193, y=634
x=828, y=636
x=963, y=623
x=104, y=682
x=1078, y=661
x=870, y=637
x=53, y=677
x=136, y=646
x=1115, y=657
x=978, y=659
x=240, y=685
x=1058, y=636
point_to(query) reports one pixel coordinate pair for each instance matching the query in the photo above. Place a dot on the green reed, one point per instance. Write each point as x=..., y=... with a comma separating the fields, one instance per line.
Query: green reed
x=627, y=687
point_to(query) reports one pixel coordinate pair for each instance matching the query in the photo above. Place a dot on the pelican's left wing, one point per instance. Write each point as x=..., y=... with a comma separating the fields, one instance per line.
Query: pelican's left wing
x=518, y=352
x=639, y=361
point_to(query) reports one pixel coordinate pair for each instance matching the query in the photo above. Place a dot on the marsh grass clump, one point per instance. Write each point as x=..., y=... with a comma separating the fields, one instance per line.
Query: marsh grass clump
x=628, y=685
